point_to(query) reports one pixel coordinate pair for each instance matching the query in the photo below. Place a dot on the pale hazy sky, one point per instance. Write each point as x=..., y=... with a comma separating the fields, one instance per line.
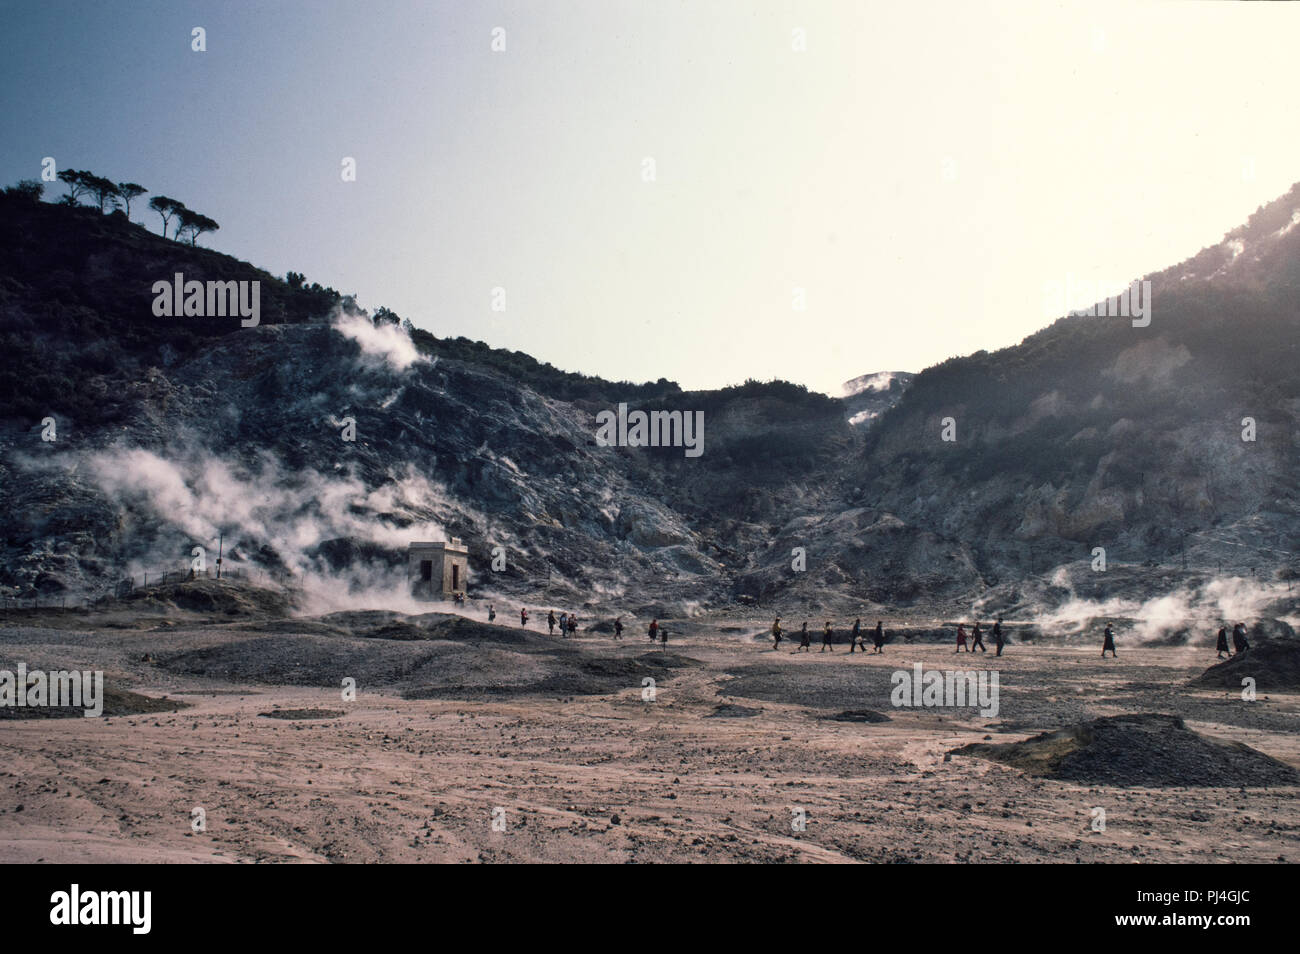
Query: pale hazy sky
x=922, y=171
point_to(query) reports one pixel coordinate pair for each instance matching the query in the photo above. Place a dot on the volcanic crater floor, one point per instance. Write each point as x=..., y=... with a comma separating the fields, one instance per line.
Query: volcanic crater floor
x=469, y=743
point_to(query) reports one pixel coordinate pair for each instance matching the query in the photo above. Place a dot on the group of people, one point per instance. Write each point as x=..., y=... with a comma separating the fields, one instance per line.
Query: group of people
x=568, y=624
x=977, y=638
x=1239, y=643
x=856, y=639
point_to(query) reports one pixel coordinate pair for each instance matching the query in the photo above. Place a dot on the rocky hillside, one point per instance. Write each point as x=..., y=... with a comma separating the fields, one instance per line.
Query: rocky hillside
x=1097, y=433
x=173, y=433
x=868, y=396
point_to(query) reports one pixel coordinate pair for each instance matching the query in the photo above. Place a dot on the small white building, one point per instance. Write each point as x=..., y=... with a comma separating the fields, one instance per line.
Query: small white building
x=437, y=571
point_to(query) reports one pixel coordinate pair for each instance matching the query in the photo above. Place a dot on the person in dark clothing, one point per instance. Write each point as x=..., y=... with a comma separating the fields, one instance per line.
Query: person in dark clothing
x=878, y=638
x=1222, y=646
x=977, y=639
x=1239, y=638
x=1109, y=643
x=997, y=635
x=663, y=635
x=523, y=616
x=492, y=612
x=776, y=633
x=827, y=635
x=961, y=639
x=855, y=637
x=573, y=623
x=550, y=621
x=654, y=630
x=618, y=627
x=804, y=642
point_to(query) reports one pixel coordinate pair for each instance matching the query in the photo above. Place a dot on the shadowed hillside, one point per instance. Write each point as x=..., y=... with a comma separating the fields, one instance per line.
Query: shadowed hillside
x=173, y=432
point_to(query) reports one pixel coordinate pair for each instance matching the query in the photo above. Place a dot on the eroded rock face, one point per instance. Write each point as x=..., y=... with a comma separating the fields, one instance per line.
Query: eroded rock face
x=1091, y=433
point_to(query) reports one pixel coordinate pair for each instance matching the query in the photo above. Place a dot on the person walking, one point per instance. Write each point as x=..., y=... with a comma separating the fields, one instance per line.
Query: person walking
x=654, y=630
x=998, y=638
x=492, y=612
x=618, y=627
x=804, y=642
x=573, y=624
x=1222, y=646
x=878, y=638
x=523, y=616
x=1109, y=643
x=827, y=635
x=1239, y=638
x=776, y=634
x=855, y=636
x=550, y=621
x=961, y=639
x=977, y=639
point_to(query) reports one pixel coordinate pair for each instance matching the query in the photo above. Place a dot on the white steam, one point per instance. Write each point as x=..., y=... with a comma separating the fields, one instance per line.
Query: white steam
x=1202, y=609
x=384, y=342
x=188, y=497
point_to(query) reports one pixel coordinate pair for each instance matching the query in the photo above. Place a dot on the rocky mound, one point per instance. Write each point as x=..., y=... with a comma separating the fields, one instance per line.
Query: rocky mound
x=117, y=702
x=858, y=715
x=1275, y=667
x=305, y=660
x=455, y=658
x=226, y=597
x=1141, y=750
x=729, y=710
x=385, y=624
x=398, y=629
x=459, y=629
x=295, y=714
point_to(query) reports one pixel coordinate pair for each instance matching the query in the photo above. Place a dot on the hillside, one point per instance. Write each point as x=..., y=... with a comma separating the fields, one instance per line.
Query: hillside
x=1096, y=433
x=171, y=431
x=175, y=431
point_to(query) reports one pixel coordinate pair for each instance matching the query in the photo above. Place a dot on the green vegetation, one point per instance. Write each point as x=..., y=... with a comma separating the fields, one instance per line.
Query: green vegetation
x=79, y=335
x=79, y=338
x=542, y=377
x=109, y=196
x=26, y=190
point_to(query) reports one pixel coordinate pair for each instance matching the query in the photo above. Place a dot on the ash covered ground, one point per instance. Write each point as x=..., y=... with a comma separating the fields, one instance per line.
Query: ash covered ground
x=457, y=723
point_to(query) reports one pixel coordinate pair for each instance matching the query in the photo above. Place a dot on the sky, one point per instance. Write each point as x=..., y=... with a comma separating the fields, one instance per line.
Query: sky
x=832, y=189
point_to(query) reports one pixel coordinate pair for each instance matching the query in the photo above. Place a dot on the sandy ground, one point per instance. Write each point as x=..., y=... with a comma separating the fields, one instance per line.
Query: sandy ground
x=612, y=777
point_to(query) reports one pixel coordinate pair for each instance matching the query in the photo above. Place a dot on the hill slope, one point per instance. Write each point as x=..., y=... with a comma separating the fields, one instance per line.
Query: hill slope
x=1091, y=433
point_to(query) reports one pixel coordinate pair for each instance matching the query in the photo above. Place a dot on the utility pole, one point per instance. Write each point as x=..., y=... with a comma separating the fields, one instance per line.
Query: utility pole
x=221, y=540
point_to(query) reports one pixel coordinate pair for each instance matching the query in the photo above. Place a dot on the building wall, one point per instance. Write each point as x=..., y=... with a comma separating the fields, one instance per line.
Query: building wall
x=443, y=578
x=457, y=560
